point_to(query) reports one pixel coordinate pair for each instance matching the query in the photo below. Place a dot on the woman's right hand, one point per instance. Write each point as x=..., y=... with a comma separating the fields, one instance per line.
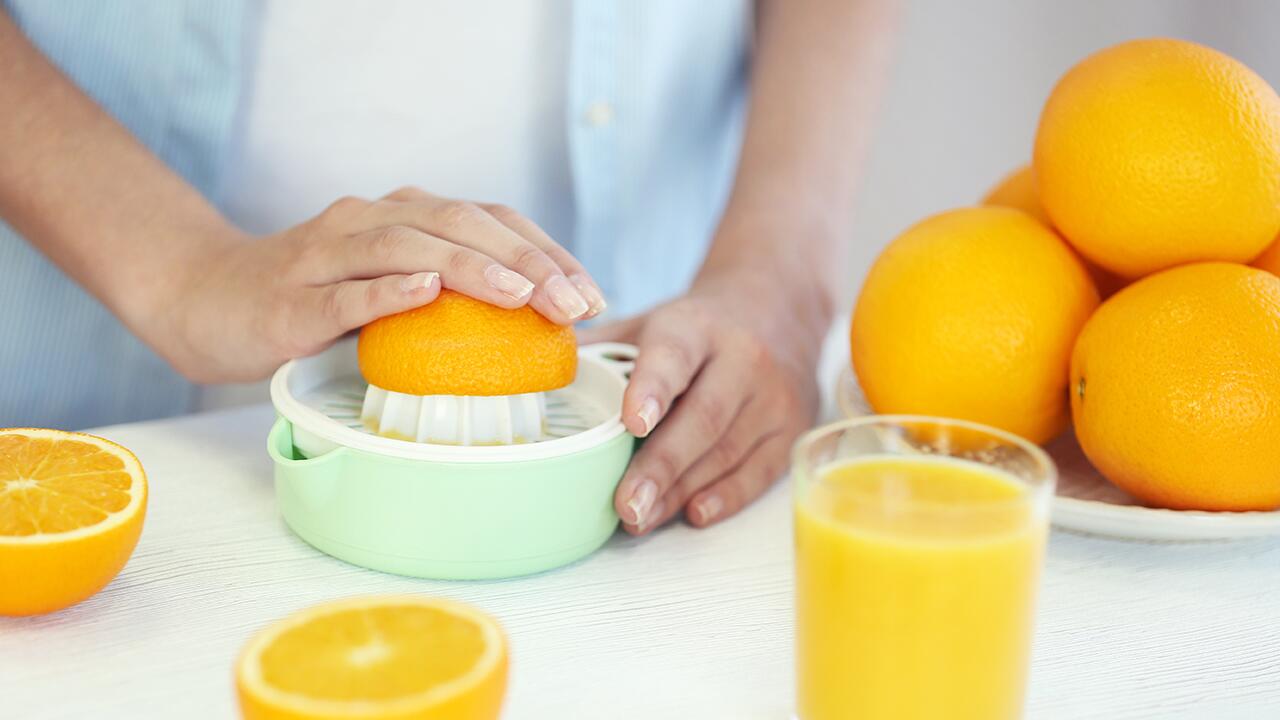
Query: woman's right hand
x=250, y=304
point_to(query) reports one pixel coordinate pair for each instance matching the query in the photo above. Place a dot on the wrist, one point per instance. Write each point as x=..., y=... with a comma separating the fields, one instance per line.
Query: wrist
x=162, y=314
x=791, y=270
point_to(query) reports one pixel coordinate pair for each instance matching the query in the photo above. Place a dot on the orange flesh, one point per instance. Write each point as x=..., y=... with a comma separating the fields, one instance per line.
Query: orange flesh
x=54, y=486
x=377, y=653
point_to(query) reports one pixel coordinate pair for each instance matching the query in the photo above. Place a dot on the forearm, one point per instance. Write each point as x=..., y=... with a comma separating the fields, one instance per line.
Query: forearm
x=818, y=69
x=88, y=195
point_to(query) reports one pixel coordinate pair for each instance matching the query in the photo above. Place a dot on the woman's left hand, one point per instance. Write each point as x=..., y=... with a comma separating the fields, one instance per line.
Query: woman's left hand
x=723, y=384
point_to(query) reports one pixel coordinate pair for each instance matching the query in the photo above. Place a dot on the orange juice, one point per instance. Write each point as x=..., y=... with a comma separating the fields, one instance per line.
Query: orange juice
x=915, y=582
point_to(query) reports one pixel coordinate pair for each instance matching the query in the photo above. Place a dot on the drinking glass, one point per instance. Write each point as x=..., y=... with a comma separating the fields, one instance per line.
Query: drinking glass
x=919, y=543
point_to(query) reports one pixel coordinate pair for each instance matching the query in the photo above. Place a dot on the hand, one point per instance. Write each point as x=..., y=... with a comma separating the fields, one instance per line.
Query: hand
x=723, y=384
x=247, y=305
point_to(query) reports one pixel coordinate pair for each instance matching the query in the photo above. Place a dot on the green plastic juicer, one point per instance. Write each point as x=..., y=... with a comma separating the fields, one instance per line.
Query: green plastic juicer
x=449, y=511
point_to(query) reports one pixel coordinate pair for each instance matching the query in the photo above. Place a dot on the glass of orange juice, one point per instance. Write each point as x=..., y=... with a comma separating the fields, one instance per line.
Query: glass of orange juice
x=919, y=543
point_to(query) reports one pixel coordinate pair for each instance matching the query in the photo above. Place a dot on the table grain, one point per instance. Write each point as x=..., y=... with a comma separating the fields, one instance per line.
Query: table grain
x=682, y=624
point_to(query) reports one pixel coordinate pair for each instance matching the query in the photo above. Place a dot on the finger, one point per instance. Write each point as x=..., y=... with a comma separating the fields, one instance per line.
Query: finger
x=742, y=438
x=755, y=425
x=408, y=193
x=660, y=510
x=401, y=249
x=735, y=490
x=671, y=351
x=468, y=225
x=343, y=213
x=568, y=264
x=698, y=421
x=334, y=309
x=620, y=331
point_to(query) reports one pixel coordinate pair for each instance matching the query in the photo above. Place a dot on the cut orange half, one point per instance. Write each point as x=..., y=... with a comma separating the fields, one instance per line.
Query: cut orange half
x=71, y=509
x=376, y=657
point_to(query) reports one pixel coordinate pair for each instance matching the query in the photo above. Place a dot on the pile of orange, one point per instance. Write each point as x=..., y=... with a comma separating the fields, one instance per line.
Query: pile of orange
x=1108, y=284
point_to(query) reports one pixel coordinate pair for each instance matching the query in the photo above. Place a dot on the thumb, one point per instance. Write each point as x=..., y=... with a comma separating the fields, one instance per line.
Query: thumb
x=330, y=311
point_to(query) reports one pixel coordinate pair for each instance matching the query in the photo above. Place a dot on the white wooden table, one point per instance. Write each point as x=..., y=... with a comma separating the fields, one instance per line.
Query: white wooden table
x=683, y=624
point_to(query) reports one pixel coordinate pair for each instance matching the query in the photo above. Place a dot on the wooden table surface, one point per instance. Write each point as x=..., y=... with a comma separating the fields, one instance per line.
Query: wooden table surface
x=683, y=624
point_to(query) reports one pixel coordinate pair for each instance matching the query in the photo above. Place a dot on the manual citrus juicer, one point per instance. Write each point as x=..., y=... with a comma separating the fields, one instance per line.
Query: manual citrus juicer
x=412, y=481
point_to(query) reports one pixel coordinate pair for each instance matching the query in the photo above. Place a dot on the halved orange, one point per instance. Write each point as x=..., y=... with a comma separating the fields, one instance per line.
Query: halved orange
x=383, y=657
x=71, y=509
x=457, y=345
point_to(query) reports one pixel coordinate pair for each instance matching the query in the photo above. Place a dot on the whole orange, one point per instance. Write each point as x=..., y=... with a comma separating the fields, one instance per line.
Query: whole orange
x=971, y=314
x=457, y=345
x=1018, y=191
x=1155, y=153
x=1176, y=388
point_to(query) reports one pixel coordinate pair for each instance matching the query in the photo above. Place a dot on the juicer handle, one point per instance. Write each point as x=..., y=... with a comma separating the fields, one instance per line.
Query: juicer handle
x=620, y=357
x=281, y=450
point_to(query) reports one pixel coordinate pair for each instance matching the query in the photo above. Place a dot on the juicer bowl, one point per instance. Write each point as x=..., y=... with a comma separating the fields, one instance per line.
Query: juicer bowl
x=441, y=511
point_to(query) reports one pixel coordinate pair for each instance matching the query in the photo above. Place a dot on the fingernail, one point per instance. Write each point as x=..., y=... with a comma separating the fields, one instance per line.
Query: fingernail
x=642, y=500
x=592, y=294
x=566, y=298
x=648, y=414
x=417, y=281
x=507, y=282
x=654, y=515
x=709, y=508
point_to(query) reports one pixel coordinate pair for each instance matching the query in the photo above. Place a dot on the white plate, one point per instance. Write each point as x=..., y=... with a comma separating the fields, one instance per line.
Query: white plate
x=1086, y=502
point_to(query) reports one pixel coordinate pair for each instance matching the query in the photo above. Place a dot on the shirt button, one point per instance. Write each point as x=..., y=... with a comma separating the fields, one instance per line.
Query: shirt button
x=599, y=114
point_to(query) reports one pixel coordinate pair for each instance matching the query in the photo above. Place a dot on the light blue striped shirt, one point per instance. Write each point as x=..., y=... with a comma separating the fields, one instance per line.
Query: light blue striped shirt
x=648, y=186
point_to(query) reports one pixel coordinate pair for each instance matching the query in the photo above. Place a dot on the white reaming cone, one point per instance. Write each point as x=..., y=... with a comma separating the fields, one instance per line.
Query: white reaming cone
x=455, y=419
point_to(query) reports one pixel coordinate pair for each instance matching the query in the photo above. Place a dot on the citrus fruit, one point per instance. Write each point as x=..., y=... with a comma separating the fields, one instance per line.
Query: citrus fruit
x=1156, y=153
x=1018, y=191
x=1269, y=260
x=71, y=509
x=457, y=345
x=971, y=314
x=376, y=658
x=1176, y=388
